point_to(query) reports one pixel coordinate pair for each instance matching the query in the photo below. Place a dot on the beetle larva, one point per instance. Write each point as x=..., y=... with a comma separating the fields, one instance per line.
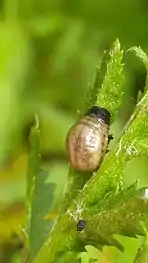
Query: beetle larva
x=80, y=225
x=87, y=140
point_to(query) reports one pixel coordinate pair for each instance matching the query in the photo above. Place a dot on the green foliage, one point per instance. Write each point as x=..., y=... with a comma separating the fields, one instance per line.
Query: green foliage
x=40, y=224
x=113, y=65
x=107, y=91
x=109, y=95
x=143, y=57
x=38, y=192
x=142, y=254
x=102, y=95
x=33, y=158
x=100, y=198
x=49, y=50
x=122, y=215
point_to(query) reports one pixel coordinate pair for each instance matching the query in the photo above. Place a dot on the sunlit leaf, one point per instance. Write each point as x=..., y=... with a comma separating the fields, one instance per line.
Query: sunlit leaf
x=123, y=216
x=40, y=194
x=142, y=254
x=107, y=89
x=102, y=203
x=106, y=93
x=143, y=57
x=41, y=222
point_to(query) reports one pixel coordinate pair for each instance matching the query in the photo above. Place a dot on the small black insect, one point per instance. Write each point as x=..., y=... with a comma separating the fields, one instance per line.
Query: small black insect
x=80, y=225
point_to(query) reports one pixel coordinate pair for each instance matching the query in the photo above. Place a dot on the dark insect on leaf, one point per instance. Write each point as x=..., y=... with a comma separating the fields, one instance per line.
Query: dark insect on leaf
x=81, y=224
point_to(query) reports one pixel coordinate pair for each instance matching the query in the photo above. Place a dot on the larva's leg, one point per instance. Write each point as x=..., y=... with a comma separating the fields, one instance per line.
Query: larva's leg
x=107, y=150
x=110, y=138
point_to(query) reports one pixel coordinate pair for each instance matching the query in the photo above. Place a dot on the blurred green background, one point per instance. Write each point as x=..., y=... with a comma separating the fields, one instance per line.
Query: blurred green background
x=48, y=54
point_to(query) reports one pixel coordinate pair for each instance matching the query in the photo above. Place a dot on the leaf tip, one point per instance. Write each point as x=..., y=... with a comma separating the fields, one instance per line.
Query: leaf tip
x=36, y=121
x=116, y=45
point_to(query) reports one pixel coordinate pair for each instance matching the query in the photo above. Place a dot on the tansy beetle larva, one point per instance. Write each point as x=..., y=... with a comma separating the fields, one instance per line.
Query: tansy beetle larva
x=87, y=140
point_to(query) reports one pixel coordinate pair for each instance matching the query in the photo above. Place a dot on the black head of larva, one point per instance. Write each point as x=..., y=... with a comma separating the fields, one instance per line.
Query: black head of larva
x=80, y=225
x=100, y=113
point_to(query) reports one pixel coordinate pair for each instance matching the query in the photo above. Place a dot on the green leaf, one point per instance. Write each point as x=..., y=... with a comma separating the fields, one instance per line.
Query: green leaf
x=107, y=91
x=143, y=57
x=140, y=54
x=34, y=156
x=40, y=194
x=123, y=216
x=41, y=222
x=76, y=181
x=139, y=96
x=102, y=203
x=110, y=94
x=33, y=166
x=142, y=254
x=132, y=143
x=91, y=255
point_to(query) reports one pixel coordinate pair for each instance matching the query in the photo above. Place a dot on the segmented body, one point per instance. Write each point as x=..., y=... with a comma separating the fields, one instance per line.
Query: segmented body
x=87, y=141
